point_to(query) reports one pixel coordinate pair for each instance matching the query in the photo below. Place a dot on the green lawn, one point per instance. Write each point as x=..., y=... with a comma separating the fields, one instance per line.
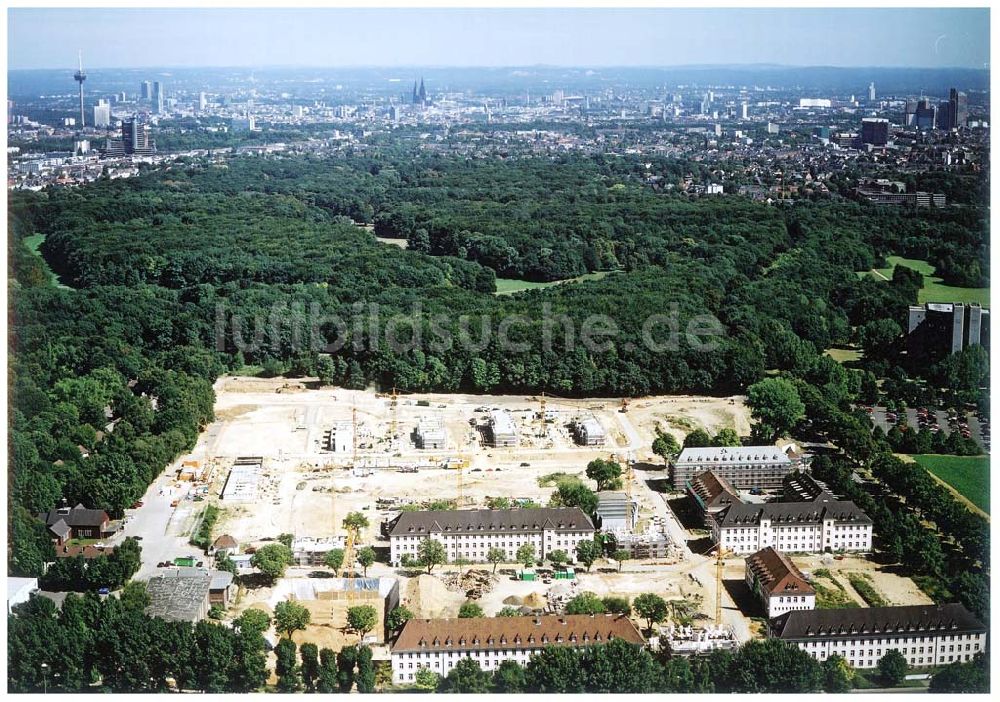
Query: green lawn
x=33, y=243
x=843, y=355
x=934, y=290
x=507, y=286
x=969, y=475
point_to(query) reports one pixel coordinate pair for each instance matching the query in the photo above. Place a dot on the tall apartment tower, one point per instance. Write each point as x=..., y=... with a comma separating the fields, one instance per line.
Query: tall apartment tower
x=158, y=97
x=146, y=90
x=959, y=108
x=871, y=92
x=79, y=77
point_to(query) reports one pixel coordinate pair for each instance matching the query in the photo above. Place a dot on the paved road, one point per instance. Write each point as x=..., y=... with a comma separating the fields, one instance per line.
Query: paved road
x=164, y=530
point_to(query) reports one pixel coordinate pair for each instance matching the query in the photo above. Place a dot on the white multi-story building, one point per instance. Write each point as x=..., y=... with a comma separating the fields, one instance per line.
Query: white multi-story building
x=793, y=527
x=502, y=429
x=439, y=644
x=470, y=534
x=777, y=583
x=745, y=467
x=926, y=635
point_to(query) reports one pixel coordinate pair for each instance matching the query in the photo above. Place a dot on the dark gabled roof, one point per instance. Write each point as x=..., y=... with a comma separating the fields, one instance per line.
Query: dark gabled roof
x=841, y=511
x=872, y=621
x=777, y=575
x=713, y=490
x=806, y=488
x=490, y=520
x=506, y=633
x=60, y=529
x=79, y=516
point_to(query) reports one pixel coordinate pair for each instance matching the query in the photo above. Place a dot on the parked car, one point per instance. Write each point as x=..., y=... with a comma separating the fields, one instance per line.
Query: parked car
x=136, y=505
x=104, y=591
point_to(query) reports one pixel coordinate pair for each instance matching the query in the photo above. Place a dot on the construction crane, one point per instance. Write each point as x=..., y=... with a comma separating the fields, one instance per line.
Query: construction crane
x=349, y=566
x=720, y=554
x=541, y=416
x=354, y=436
x=393, y=402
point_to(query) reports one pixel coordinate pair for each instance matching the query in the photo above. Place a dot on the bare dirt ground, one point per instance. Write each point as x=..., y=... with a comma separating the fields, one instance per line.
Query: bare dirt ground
x=306, y=490
x=896, y=589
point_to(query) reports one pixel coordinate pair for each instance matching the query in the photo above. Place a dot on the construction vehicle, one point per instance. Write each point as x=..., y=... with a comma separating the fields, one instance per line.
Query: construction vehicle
x=624, y=408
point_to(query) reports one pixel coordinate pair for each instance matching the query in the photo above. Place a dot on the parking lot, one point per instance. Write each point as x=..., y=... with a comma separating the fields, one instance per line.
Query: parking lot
x=935, y=420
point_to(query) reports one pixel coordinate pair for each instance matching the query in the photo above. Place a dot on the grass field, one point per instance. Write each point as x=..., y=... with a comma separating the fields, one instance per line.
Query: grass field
x=507, y=286
x=843, y=355
x=33, y=243
x=934, y=290
x=969, y=475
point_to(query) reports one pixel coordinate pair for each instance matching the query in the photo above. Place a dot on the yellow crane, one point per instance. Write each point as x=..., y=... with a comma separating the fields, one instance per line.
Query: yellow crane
x=720, y=554
x=354, y=436
x=393, y=402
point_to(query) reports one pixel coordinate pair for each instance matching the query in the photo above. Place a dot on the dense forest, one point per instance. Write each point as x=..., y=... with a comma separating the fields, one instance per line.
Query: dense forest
x=111, y=373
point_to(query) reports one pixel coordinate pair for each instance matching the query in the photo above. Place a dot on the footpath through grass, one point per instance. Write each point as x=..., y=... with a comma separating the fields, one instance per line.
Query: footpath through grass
x=934, y=290
x=508, y=286
x=969, y=475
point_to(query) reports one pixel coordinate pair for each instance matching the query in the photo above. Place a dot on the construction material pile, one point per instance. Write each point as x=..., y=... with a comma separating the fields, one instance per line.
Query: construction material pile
x=428, y=598
x=472, y=583
x=561, y=593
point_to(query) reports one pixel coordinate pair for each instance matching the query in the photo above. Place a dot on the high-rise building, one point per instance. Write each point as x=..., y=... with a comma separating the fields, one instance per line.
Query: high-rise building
x=871, y=92
x=875, y=131
x=102, y=114
x=910, y=113
x=146, y=90
x=159, y=98
x=926, y=115
x=744, y=111
x=202, y=102
x=135, y=139
x=958, y=110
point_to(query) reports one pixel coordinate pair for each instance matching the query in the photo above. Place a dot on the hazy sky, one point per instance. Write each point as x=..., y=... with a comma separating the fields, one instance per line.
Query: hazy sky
x=49, y=38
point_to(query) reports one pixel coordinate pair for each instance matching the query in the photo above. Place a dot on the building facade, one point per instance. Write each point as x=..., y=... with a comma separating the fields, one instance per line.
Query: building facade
x=470, y=534
x=745, y=467
x=777, y=583
x=439, y=644
x=937, y=329
x=926, y=635
x=589, y=432
x=794, y=527
x=502, y=429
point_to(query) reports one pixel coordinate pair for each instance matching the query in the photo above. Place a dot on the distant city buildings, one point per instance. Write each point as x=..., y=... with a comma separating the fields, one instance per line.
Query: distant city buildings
x=136, y=138
x=159, y=98
x=420, y=94
x=102, y=114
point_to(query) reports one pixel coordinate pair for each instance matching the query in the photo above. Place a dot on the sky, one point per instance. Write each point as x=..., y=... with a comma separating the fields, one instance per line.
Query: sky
x=134, y=38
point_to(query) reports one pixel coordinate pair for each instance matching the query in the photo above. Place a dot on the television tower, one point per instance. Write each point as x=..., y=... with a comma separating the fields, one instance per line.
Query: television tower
x=79, y=77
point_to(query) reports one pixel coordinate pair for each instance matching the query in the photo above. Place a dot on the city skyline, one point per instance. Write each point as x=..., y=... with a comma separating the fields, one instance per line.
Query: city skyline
x=664, y=37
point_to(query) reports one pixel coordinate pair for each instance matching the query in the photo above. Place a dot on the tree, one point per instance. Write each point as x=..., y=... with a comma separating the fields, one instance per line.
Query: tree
x=970, y=677
x=509, y=678
x=556, y=669
x=509, y=612
x=585, y=603
x=466, y=677
x=665, y=445
x=290, y=617
x=726, y=437
x=134, y=596
x=558, y=558
x=620, y=667
x=426, y=679
x=587, y=552
x=607, y=474
x=397, y=618
x=346, y=660
x=892, y=668
x=288, y=672
x=286, y=539
x=362, y=619
x=573, y=493
x=271, y=560
x=652, y=608
x=616, y=605
x=431, y=553
x=772, y=665
x=621, y=555
x=775, y=404
x=334, y=559
x=366, y=557
x=366, y=671
x=253, y=620
x=326, y=678
x=309, y=654
x=355, y=521
x=837, y=674
x=496, y=556
x=526, y=555
x=697, y=439
x=470, y=610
